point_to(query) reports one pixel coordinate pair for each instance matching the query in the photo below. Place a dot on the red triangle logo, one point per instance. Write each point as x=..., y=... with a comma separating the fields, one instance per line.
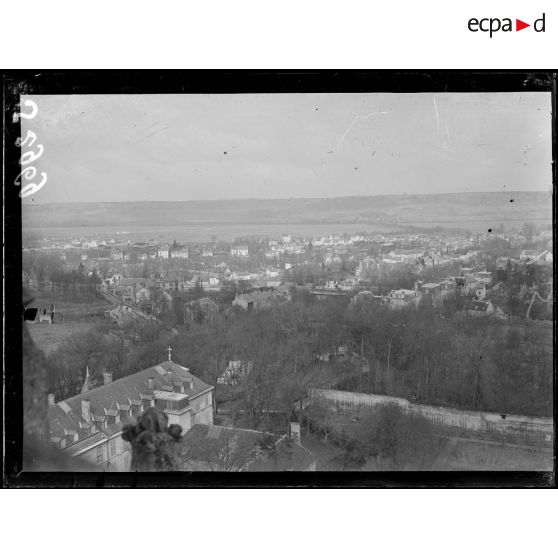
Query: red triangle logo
x=519, y=25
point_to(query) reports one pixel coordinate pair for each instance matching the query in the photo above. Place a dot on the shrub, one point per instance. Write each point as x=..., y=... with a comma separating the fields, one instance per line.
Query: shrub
x=398, y=439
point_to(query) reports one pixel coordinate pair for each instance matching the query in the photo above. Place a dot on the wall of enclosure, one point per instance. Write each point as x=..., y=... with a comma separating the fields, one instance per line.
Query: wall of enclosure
x=512, y=427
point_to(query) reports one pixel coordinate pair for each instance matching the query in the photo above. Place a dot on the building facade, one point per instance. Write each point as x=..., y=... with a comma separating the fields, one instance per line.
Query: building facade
x=90, y=425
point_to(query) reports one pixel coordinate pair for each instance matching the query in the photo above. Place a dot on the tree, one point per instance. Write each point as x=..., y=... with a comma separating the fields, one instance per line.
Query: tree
x=528, y=231
x=230, y=452
x=198, y=290
x=69, y=362
x=396, y=439
x=320, y=419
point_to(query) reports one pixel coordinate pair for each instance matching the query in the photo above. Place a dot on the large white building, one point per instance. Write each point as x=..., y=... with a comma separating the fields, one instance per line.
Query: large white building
x=179, y=253
x=90, y=425
x=163, y=251
x=240, y=251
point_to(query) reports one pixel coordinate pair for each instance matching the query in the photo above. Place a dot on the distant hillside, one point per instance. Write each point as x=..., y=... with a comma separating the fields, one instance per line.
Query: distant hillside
x=468, y=210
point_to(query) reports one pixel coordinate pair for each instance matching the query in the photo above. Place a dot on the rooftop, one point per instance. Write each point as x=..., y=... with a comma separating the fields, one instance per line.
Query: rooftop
x=481, y=305
x=120, y=395
x=210, y=447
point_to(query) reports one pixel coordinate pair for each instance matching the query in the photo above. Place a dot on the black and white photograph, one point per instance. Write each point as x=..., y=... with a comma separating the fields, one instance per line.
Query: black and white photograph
x=285, y=280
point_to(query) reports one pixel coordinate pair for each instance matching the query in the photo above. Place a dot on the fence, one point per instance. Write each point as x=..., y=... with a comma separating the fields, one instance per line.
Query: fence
x=516, y=427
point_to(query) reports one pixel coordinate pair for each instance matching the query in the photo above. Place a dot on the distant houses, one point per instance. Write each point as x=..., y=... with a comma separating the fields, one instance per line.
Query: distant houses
x=116, y=255
x=163, y=251
x=142, y=295
x=179, y=253
x=240, y=251
x=263, y=298
x=121, y=315
x=528, y=254
x=255, y=300
x=39, y=315
x=167, y=251
x=481, y=308
x=402, y=298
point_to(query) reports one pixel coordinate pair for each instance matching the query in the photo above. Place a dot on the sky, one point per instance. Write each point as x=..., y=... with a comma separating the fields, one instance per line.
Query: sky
x=201, y=147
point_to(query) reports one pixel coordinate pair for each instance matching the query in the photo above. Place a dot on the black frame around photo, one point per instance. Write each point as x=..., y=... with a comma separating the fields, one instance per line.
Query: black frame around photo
x=63, y=82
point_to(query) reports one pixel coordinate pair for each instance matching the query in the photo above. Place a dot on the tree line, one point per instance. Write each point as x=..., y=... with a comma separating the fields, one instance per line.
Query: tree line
x=424, y=355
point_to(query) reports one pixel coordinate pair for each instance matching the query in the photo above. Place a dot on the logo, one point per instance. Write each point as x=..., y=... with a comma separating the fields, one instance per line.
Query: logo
x=494, y=25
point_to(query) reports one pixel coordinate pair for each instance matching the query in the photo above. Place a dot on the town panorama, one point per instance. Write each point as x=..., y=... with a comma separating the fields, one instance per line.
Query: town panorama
x=348, y=331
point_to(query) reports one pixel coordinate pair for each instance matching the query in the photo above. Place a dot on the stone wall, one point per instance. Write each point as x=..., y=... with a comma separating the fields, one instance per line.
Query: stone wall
x=513, y=427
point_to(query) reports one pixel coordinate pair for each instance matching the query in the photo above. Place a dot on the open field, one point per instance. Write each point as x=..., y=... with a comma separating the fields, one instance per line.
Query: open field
x=49, y=337
x=453, y=450
x=470, y=454
x=74, y=309
x=455, y=454
x=79, y=316
x=195, y=221
x=204, y=232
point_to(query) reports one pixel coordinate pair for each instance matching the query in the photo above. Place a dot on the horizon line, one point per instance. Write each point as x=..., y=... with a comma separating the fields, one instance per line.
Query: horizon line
x=550, y=191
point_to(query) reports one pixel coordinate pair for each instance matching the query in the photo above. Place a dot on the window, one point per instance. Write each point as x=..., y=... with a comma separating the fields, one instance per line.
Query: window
x=99, y=454
x=112, y=447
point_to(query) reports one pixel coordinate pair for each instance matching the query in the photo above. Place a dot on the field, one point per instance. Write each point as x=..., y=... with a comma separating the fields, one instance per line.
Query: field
x=79, y=316
x=204, y=232
x=452, y=450
x=196, y=221
x=469, y=454
x=49, y=337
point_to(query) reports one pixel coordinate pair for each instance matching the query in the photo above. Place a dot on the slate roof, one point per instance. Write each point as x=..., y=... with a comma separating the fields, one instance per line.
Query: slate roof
x=85, y=443
x=66, y=415
x=291, y=456
x=209, y=447
x=203, y=446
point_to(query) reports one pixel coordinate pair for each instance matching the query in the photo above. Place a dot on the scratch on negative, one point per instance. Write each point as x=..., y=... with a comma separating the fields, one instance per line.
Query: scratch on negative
x=151, y=134
x=357, y=117
x=437, y=117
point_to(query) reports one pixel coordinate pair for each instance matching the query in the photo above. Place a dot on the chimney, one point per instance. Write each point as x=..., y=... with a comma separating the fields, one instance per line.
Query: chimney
x=107, y=378
x=150, y=383
x=86, y=410
x=295, y=431
x=190, y=383
x=51, y=400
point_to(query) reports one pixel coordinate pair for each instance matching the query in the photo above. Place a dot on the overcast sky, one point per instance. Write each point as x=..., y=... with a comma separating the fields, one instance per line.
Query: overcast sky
x=185, y=147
